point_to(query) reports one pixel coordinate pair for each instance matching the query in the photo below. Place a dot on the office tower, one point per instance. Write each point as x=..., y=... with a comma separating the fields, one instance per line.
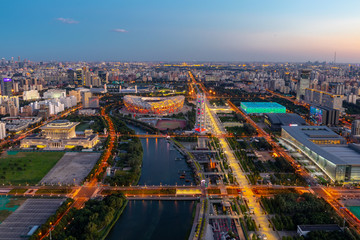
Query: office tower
x=79, y=78
x=6, y=87
x=13, y=110
x=104, y=77
x=355, y=128
x=340, y=89
x=71, y=75
x=2, y=130
x=302, y=84
x=324, y=116
x=85, y=99
x=200, y=125
x=324, y=99
x=76, y=94
x=352, y=98
x=15, y=100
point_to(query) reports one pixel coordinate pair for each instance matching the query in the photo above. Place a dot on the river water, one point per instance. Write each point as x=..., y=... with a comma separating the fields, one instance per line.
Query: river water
x=160, y=220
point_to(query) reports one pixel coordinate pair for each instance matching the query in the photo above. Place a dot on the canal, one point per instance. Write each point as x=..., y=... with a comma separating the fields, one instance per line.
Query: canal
x=160, y=220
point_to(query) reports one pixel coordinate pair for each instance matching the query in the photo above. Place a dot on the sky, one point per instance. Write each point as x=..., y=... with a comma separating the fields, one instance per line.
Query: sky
x=186, y=30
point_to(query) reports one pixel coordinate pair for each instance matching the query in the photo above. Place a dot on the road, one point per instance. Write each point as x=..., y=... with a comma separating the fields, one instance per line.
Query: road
x=253, y=203
x=29, y=131
x=318, y=189
x=89, y=188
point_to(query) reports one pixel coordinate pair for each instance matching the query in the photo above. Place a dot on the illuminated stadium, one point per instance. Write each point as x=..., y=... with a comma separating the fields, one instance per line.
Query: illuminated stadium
x=154, y=105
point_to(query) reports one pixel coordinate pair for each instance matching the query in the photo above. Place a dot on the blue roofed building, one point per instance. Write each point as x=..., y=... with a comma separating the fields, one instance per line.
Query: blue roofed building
x=262, y=107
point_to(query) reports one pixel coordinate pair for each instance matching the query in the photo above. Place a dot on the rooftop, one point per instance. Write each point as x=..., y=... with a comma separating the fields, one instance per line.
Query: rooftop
x=64, y=124
x=285, y=118
x=337, y=154
x=262, y=104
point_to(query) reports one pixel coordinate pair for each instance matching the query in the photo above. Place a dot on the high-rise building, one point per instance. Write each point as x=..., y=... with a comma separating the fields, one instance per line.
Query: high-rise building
x=2, y=130
x=355, y=128
x=6, y=87
x=324, y=116
x=303, y=83
x=76, y=94
x=13, y=110
x=79, y=81
x=104, y=77
x=340, y=89
x=200, y=125
x=86, y=99
x=324, y=99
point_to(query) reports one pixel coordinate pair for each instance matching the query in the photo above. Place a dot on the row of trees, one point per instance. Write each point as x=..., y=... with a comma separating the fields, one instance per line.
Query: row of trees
x=91, y=222
x=300, y=209
x=52, y=219
x=246, y=130
x=131, y=158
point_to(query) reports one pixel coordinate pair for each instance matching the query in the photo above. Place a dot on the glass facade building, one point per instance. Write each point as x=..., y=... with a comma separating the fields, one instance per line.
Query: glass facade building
x=262, y=107
x=327, y=150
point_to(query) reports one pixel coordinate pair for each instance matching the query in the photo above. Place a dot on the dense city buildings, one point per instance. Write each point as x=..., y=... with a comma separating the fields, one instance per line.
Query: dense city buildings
x=220, y=116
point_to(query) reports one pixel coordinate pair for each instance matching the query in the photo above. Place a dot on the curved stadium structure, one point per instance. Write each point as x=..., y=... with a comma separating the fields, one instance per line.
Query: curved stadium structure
x=154, y=105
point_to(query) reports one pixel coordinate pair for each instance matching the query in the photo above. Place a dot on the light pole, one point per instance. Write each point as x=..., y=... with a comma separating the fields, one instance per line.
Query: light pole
x=50, y=230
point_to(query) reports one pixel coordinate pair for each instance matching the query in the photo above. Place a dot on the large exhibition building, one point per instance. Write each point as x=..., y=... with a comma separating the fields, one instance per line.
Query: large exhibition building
x=60, y=134
x=262, y=107
x=328, y=150
x=154, y=105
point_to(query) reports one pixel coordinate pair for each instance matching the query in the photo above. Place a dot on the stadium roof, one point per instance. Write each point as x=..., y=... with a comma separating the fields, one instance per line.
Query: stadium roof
x=337, y=154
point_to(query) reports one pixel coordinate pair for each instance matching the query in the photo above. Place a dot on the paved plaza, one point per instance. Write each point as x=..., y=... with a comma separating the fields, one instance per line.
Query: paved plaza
x=72, y=168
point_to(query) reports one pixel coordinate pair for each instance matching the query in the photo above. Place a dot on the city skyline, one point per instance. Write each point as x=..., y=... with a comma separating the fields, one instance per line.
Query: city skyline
x=278, y=31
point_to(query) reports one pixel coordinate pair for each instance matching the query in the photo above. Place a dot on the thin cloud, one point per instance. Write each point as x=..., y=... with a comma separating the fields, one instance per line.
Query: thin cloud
x=67, y=20
x=119, y=30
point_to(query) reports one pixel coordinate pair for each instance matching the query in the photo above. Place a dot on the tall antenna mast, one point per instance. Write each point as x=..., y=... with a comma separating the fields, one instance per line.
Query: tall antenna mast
x=335, y=58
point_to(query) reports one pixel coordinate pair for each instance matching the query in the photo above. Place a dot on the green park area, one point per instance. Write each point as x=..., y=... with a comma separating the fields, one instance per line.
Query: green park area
x=83, y=126
x=26, y=167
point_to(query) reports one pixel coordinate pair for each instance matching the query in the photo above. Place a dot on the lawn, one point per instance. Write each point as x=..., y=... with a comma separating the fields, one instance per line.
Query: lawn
x=26, y=167
x=83, y=126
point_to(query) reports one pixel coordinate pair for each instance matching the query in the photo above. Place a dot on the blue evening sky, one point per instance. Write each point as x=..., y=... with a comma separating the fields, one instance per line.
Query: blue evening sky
x=186, y=30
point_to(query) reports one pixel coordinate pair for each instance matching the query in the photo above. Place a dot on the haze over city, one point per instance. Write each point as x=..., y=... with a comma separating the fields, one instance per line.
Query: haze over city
x=281, y=31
